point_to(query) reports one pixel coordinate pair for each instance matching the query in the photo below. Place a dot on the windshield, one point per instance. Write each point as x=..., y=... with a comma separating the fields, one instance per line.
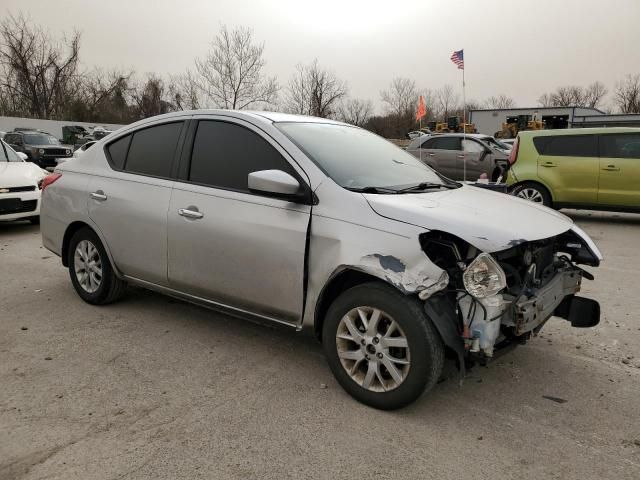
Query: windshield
x=40, y=139
x=7, y=154
x=355, y=158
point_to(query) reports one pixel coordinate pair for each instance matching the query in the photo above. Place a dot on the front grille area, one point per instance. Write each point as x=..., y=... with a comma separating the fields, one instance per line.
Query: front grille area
x=29, y=188
x=15, y=205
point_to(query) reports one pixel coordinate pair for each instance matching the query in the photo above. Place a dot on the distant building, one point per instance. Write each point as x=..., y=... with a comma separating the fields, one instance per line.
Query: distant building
x=489, y=121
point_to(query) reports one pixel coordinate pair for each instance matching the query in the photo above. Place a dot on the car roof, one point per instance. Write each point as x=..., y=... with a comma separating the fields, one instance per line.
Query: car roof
x=578, y=131
x=254, y=115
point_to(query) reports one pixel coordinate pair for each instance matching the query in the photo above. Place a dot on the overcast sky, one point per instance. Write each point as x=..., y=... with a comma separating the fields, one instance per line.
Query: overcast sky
x=520, y=48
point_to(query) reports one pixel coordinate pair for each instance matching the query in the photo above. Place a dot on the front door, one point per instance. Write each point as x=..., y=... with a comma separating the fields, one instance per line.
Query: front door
x=229, y=245
x=474, y=161
x=619, y=170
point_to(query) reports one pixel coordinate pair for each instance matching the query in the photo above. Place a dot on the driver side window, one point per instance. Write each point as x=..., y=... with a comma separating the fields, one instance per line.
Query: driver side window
x=472, y=146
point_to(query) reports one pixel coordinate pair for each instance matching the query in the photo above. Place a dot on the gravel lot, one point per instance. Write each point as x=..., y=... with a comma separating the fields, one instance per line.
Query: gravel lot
x=154, y=388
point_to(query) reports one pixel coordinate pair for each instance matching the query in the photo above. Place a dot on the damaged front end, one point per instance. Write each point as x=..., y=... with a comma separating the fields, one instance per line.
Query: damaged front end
x=499, y=299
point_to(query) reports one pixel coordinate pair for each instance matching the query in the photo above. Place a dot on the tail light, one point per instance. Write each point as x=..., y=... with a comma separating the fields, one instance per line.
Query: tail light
x=48, y=180
x=513, y=156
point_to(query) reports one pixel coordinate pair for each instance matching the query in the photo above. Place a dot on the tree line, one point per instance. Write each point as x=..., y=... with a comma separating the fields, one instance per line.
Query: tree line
x=42, y=77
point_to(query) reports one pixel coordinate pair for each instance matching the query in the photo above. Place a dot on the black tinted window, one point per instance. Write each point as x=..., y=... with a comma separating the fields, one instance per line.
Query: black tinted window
x=118, y=151
x=152, y=150
x=625, y=145
x=10, y=138
x=445, y=143
x=570, y=146
x=224, y=154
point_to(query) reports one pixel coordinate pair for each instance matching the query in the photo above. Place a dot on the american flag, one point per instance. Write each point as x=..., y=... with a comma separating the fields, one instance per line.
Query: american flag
x=458, y=59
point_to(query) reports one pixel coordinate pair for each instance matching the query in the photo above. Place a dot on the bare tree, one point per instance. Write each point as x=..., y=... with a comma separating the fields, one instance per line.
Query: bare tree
x=401, y=97
x=313, y=90
x=150, y=97
x=184, y=91
x=594, y=94
x=499, y=102
x=627, y=94
x=231, y=74
x=35, y=69
x=355, y=111
x=574, y=96
x=101, y=96
x=447, y=100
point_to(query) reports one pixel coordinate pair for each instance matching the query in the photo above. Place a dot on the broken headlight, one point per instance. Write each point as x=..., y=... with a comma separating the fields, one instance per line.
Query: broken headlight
x=484, y=277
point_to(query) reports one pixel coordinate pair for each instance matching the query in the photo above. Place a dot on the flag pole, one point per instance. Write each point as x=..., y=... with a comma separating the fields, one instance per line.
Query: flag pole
x=464, y=127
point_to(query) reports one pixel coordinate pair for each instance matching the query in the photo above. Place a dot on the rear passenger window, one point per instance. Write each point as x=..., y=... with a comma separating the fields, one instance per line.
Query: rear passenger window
x=445, y=143
x=224, y=154
x=569, y=146
x=152, y=150
x=118, y=152
x=625, y=145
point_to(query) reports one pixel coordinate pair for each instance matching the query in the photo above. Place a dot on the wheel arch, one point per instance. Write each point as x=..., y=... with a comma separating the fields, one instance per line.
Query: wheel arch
x=339, y=282
x=72, y=228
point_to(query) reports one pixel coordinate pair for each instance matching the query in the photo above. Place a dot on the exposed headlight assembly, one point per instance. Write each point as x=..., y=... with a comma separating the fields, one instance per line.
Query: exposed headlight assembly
x=484, y=277
x=41, y=151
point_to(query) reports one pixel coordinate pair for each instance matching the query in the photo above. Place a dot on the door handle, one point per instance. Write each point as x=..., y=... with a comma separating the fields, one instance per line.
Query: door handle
x=460, y=156
x=611, y=168
x=549, y=164
x=193, y=214
x=99, y=195
x=432, y=154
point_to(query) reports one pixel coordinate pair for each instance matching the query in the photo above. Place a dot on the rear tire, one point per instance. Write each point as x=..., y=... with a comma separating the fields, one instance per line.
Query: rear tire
x=91, y=271
x=390, y=360
x=534, y=192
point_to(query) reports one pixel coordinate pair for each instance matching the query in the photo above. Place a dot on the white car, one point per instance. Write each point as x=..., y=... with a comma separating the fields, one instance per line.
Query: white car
x=20, y=184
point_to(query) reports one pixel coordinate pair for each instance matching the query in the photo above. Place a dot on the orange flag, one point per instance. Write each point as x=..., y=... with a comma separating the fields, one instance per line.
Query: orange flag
x=422, y=109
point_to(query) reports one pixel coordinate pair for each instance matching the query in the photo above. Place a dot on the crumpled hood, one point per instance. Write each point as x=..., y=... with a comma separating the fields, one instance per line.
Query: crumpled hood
x=488, y=220
x=19, y=174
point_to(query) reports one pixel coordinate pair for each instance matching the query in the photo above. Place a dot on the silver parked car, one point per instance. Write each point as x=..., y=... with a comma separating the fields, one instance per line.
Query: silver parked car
x=462, y=157
x=319, y=226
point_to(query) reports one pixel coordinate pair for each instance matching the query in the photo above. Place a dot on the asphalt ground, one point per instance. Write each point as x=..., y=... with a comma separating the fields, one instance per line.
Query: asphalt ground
x=151, y=387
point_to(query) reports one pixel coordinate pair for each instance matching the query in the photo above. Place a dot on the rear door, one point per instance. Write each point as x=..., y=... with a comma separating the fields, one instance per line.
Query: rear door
x=442, y=154
x=569, y=165
x=130, y=205
x=619, y=170
x=232, y=246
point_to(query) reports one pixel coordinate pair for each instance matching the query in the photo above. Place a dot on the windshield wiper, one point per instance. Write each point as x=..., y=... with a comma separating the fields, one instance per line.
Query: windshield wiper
x=427, y=186
x=372, y=189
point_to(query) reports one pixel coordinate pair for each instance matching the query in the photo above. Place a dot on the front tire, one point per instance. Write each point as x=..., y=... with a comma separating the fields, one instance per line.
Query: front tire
x=533, y=192
x=90, y=270
x=381, y=347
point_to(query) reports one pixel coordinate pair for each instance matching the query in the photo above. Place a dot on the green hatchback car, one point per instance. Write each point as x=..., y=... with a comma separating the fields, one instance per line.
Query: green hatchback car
x=592, y=168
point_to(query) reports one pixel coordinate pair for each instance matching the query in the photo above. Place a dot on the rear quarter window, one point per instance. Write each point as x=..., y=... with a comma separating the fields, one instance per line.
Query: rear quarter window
x=117, y=152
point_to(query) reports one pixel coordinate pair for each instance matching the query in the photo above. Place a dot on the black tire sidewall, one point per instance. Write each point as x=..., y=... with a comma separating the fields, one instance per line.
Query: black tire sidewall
x=108, y=276
x=425, y=345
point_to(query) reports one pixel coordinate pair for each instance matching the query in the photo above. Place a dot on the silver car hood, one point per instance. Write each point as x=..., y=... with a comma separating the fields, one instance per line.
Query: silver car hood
x=487, y=220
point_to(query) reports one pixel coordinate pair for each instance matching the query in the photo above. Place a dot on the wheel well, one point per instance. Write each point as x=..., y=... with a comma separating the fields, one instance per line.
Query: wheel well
x=337, y=284
x=71, y=229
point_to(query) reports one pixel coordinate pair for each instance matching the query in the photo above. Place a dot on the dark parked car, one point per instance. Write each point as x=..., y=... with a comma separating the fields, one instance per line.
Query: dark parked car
x=41, y=148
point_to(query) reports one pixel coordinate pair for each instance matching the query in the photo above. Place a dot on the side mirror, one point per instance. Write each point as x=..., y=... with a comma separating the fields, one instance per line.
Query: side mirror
x=275, y=183
x=23, y=156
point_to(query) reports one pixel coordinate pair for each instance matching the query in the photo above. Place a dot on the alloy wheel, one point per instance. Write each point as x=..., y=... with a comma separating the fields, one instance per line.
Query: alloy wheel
x=88, y=266
x=531, y=194
x=373, y=349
